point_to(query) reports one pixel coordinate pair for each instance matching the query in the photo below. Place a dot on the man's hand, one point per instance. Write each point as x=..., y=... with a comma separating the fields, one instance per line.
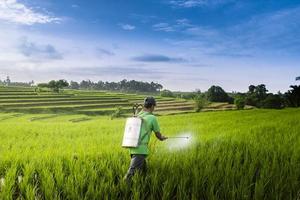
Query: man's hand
x=160, y=136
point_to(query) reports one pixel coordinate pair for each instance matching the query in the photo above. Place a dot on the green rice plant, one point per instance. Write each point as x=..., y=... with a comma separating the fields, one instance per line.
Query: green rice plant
x=249, y=154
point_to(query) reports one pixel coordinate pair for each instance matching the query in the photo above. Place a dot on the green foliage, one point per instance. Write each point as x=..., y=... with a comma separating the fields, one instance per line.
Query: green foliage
x=292, y=97
x=124, y=85
x=273, y=101
x=74, y=85
x=230, y=100
x=233, y=155
x=166, y=93
x=256, y=95
x=54, y=85
x=216, y=94
x=200, y=102
x=240, y=102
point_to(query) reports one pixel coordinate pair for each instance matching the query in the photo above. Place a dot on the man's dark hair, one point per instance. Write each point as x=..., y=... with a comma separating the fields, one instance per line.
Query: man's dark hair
x=149, y=102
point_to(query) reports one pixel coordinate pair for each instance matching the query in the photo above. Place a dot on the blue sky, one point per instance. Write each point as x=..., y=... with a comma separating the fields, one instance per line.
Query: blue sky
x=182, y=44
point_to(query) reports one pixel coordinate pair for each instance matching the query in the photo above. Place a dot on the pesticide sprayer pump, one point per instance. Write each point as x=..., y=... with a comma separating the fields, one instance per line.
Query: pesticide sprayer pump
x=132, y=130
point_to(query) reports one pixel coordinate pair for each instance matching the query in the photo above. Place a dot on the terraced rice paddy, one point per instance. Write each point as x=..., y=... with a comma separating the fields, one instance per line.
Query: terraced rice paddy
x=26, y=100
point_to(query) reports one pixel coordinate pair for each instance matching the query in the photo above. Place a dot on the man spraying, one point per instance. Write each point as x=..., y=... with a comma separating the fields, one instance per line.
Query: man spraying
x=149, y=125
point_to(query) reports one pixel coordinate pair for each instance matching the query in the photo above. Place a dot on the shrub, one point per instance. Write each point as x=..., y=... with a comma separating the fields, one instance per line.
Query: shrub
x=240, y=102
x=200, y=103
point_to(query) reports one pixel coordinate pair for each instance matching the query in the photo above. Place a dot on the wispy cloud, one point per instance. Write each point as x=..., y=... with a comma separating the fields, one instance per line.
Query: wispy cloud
x=127, y=27
x=198, y=3
x=157, y=58
x=105, y=52
x=38, y=51
x=163, y=27
x=268, y=33
x=276, y=30
x=178, y=25
x=13, y=11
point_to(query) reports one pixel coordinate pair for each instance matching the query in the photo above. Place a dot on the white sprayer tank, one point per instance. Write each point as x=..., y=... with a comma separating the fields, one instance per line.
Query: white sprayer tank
x=132, y=132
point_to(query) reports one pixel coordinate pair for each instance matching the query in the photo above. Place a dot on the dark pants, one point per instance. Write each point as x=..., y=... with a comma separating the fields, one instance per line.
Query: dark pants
x=137, y=163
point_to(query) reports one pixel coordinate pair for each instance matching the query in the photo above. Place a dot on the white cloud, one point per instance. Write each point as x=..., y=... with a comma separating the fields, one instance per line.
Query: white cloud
x=127, y=27
x=198, y=3
x=13, y=11
x=163, y=27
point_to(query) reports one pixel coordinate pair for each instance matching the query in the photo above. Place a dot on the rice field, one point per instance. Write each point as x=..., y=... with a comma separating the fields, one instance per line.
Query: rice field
x=253, y=154
x=65, y=146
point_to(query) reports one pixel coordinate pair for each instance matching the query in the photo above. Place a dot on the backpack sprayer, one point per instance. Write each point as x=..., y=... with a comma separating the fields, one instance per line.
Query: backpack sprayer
x=132, y=130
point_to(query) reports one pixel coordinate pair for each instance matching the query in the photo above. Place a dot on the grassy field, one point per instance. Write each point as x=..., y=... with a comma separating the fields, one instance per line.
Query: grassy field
x=253, y=154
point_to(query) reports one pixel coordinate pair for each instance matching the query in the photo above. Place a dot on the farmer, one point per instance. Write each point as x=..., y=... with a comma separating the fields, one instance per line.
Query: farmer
x=139, y=153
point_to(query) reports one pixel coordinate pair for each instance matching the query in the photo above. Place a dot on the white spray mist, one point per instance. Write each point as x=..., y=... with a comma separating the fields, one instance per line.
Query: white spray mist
x=183, y=141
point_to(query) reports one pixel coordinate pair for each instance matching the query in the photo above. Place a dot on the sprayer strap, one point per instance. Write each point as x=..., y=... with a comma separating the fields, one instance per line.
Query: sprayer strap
x=143, y=137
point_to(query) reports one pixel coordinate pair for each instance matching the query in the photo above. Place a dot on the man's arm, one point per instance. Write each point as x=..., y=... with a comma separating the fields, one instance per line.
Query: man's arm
x=160, y=136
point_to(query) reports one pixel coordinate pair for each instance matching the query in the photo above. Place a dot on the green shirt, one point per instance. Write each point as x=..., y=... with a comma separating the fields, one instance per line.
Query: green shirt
x=149, y=124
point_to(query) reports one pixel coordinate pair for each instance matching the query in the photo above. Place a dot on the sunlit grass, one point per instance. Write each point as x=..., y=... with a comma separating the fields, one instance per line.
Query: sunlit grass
x=251, y=154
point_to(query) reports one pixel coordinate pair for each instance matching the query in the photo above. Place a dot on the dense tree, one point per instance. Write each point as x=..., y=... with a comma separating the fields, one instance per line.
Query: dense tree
x=273, y=101
x=292, y=97
x=55, y=85
x=62, y=84
x=124, y=86
x=216, y=94
x=256, y=95
x=251, y=89
x=85, y=84
x=74, y=85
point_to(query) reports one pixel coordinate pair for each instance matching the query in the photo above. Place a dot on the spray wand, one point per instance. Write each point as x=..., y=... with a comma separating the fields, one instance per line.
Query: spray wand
x=178, y=137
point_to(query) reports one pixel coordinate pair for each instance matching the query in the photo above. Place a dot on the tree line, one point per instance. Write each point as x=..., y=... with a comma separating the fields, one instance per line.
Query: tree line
x=257, y=96
x=7, y=82
x=122, y=86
